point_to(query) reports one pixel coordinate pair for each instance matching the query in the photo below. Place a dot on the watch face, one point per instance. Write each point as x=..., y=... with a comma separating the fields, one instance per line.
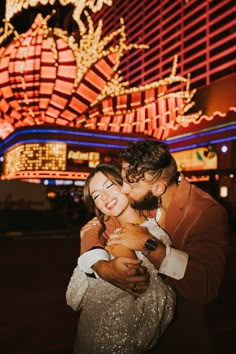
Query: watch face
x=151, y=244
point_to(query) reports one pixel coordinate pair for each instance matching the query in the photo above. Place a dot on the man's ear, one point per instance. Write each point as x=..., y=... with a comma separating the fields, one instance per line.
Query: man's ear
x=158, y=189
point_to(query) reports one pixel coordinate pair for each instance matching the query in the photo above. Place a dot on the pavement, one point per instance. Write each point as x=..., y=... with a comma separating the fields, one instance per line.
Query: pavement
x=34, y=317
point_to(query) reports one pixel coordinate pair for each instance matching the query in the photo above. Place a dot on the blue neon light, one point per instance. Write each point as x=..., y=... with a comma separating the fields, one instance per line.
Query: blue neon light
x=116, y=146
x=198, y=135
x=77, y=133
x=193, y=146
x=84, y=143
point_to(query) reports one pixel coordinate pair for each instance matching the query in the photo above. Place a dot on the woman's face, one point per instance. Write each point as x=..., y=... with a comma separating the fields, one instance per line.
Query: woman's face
x=107, y=196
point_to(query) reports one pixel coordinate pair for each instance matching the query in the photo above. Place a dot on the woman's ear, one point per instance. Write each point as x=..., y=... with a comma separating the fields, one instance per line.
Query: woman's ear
x=158, y=189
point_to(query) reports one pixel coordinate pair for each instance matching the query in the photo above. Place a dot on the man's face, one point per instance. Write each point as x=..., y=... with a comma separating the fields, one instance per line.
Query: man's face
x=148, y=202
x=139, y=193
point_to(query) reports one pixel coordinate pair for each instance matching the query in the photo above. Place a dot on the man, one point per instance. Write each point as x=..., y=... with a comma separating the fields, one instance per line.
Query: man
x=198, y=227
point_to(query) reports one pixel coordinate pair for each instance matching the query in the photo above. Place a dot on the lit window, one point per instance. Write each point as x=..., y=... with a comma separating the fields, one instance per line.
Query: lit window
x=223, y=191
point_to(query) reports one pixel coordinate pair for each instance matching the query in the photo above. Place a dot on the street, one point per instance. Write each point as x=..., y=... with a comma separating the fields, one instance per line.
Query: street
x=35, y=319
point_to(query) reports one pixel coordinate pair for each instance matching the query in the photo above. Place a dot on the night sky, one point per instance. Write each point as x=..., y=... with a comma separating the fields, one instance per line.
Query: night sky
x=2, y=11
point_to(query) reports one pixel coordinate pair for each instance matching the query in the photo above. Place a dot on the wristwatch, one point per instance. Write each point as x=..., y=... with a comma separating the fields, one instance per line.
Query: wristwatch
x=150, y=245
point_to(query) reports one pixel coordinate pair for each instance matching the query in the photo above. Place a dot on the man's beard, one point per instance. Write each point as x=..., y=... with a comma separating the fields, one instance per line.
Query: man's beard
x=148, y=202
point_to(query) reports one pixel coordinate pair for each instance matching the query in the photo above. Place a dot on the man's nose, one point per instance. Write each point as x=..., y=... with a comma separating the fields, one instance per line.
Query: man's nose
x=125, y=188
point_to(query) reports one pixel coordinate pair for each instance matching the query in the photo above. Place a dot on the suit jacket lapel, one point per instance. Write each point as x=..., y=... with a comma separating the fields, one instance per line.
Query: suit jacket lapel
x=178, y=204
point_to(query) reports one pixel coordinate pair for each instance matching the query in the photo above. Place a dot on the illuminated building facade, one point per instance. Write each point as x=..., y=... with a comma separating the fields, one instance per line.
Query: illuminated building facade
x=158, y=102
x=52, y=154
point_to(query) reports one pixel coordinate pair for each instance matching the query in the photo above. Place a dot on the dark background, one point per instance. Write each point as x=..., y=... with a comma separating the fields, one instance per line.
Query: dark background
x=35, y=318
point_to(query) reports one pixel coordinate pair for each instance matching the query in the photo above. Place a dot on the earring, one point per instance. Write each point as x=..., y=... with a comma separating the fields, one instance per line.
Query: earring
x=158, y=214
x=158, y=202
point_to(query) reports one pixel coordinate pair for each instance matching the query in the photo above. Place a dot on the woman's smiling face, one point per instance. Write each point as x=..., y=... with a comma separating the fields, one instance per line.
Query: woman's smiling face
x=107, y=195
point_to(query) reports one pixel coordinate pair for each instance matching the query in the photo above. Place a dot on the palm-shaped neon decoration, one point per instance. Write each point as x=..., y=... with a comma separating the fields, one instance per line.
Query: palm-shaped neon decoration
x=47, y=77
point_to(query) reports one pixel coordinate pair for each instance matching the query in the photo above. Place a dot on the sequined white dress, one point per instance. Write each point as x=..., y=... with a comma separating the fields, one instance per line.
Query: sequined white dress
x=111, y=320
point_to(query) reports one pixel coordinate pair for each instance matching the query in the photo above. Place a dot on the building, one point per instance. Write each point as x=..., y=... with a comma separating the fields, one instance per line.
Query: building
x=150, y=34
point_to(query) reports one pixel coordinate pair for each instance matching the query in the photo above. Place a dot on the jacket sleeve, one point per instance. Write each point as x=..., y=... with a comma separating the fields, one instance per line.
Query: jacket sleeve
x=91, y=239
x=206, y=246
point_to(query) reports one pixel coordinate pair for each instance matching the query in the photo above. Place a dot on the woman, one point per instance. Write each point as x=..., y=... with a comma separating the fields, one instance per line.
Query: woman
x=112, y=320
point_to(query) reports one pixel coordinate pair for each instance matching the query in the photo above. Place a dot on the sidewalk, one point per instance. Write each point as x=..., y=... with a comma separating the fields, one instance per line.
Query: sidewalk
x=34, y=275
x=35, y=319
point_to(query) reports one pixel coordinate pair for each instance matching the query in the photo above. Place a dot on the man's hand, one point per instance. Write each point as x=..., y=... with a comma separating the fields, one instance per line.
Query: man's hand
x=125, y=273
x=131, y=236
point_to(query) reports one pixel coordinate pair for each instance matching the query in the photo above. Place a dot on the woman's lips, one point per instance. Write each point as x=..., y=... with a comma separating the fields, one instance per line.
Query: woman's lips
x=111, y=204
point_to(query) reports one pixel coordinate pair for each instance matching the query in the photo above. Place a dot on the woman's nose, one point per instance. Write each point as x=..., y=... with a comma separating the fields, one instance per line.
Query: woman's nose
x=104, y=194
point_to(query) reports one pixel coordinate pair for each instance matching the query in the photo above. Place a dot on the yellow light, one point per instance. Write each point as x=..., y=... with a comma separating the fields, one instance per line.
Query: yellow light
x=38, y=156
x=15, y=6
x=76, y=104
x=224, y=191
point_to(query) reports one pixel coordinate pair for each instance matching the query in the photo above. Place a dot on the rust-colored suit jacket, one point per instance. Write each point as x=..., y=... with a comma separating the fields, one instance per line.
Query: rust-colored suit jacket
x=198, y=225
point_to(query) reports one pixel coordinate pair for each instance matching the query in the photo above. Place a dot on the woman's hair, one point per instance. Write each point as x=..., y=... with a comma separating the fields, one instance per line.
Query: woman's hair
x=111, y=171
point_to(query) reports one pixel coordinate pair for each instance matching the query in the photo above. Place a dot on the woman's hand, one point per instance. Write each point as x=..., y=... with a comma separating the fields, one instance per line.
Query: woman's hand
x=89, y=225
x=131, y=236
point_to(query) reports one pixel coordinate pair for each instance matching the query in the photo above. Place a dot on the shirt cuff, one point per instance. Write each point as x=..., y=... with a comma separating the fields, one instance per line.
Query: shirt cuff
x=174, y=264
x=89, y=258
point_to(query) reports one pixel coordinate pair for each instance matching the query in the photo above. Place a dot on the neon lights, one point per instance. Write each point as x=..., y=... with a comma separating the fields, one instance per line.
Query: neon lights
x=35, y=157
x=15, y=6
x=49, y=77
x=207, y=132
x=210, y=142
x=47, y=174
x=79, y=157
x=71, y=132
x=71, y=142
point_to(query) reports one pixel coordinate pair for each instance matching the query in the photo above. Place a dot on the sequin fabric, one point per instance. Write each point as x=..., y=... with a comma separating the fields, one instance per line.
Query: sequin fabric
x=112, y=320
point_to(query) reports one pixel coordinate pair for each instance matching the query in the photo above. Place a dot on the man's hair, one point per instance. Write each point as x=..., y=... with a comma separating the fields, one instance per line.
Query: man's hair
x=150, y=156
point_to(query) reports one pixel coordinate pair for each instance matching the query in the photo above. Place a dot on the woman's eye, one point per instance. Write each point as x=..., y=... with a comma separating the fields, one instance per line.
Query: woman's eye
x=95, y=196
x=109, y=185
